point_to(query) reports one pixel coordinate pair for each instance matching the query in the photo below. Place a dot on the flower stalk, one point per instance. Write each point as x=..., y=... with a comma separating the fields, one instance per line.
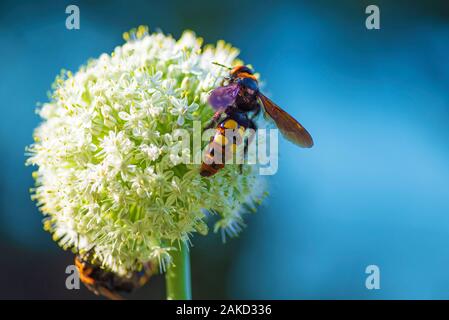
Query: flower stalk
x=177, y=277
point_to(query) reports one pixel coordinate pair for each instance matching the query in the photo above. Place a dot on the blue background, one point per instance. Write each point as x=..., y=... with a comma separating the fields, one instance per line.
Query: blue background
x=373, y=190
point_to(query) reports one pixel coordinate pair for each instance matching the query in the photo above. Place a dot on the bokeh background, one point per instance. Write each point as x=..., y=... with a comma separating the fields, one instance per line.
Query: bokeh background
x=373, y=190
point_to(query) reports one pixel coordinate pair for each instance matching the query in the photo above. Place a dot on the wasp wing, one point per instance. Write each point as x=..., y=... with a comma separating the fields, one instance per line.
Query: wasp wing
x=222, y=97
x=290, y=128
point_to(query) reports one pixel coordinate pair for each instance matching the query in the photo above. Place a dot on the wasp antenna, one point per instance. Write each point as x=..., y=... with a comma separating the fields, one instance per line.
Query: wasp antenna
x=221, y=65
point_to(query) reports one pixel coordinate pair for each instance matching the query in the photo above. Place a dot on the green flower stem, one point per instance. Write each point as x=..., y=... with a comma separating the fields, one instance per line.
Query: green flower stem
x=177, y=276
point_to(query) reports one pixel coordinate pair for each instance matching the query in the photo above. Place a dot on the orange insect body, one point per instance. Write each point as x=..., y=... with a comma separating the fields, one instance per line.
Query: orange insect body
x=107, y=283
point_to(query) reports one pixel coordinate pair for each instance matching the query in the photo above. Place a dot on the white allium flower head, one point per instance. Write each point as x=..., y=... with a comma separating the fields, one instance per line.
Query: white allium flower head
x=106, y=181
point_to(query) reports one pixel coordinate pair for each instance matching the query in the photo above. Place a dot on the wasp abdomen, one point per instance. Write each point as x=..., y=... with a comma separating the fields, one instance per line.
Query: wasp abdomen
x=229, y=134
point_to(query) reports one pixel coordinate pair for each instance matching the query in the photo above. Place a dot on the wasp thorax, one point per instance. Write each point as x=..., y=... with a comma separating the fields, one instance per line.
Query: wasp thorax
x=236, y=71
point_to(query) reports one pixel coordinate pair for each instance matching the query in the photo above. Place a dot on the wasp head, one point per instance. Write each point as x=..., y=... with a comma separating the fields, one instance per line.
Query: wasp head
x=241, y=71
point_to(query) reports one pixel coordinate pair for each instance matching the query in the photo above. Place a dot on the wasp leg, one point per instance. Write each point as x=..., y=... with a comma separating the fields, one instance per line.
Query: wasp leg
x=109, y=294
x=214, y=122
x=225, y=81
x=256, y=113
